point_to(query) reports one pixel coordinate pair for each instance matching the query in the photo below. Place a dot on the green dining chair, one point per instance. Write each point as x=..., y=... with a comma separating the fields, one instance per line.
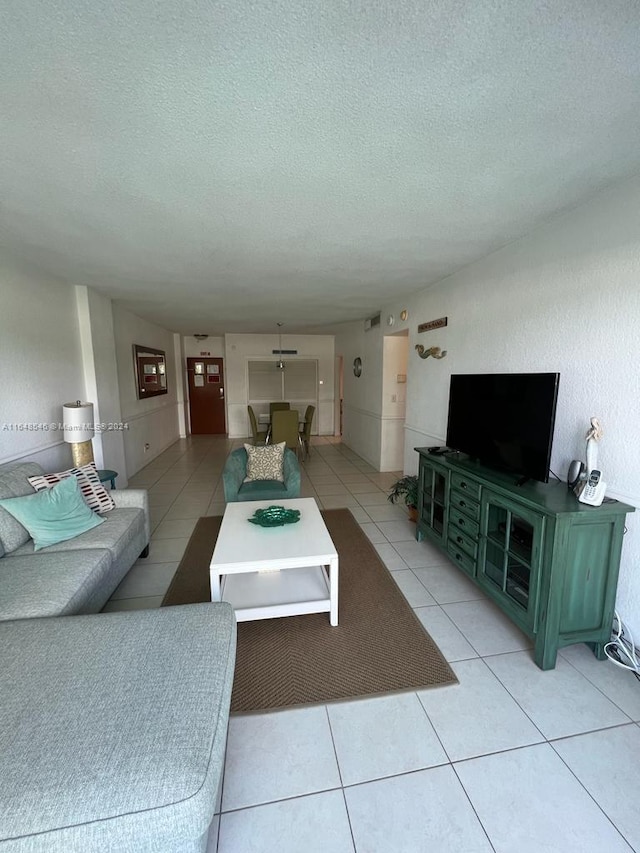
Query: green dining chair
x=284, y=427
x=305, y=432
x=277, y=407
x=259, y=436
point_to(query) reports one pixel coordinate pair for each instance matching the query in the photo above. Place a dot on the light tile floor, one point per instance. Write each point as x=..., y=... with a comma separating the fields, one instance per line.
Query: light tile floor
x=511, y=759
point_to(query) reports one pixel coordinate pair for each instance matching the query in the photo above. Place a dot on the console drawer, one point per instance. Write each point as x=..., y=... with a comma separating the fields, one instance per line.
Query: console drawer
x=465, y=503
x=461, y=558
x=466, y=485
x=460, y=541
x=462, y=522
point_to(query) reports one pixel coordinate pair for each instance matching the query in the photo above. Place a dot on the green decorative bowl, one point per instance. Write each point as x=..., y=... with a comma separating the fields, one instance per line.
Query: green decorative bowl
x=275, y=516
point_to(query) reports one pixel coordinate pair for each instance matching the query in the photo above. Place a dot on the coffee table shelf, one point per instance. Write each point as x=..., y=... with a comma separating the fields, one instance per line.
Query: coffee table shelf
x=280, y=571
x=267, y=595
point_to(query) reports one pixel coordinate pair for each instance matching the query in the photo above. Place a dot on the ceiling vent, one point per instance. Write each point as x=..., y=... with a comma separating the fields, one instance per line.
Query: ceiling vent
x=371, y=322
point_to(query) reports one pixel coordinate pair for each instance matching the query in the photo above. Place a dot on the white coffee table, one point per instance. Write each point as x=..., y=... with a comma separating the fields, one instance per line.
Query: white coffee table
x=266, y=572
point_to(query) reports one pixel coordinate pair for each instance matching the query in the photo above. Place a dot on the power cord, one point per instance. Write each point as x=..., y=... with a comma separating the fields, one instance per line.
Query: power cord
x=621, y=649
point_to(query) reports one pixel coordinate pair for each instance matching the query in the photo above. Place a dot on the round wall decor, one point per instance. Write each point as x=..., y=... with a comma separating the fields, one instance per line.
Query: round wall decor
x=357, y=366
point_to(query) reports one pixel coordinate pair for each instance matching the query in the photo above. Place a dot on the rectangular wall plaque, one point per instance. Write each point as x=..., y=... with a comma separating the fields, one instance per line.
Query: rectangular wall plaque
x=433, y=324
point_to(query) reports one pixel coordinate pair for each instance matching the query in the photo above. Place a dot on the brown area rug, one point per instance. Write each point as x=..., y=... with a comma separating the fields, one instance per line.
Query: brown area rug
x=378, y=646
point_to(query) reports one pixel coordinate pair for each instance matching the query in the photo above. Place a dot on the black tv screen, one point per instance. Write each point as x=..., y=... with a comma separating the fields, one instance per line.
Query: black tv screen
x=505, y=420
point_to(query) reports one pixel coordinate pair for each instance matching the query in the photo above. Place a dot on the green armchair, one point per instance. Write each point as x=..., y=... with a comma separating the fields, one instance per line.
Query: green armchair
x=235, y=489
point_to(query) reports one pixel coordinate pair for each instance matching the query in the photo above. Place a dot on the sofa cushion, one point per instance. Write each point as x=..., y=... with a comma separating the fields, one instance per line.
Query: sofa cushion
x=54, y=515
x=55, y=585
x=14, y=484
x=265, y=463
x=93, y=492
x=112, y=731
x=120, y=527
x=12, y=533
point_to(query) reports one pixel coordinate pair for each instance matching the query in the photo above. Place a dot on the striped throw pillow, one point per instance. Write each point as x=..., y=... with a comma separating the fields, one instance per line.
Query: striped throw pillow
x=94, y=493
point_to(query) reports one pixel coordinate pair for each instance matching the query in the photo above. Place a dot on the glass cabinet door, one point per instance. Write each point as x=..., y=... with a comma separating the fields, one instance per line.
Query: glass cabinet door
x=434, y=495
x=511, y=550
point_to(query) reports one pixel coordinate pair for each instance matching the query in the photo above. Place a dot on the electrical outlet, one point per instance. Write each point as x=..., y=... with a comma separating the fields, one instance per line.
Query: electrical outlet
x=147, y=446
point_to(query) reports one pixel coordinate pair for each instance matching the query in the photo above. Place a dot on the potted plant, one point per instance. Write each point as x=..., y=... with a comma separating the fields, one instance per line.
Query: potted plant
x=406, y=489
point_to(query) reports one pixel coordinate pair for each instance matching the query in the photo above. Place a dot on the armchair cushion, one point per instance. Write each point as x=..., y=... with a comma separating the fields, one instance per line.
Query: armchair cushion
x=235, y=472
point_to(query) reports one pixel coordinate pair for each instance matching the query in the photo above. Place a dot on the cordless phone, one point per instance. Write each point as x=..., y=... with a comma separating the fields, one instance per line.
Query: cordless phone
x=593, y=490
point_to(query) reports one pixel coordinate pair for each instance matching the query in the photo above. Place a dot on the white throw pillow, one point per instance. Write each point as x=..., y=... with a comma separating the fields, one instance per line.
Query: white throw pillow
x=94, y=493
x=265, y=463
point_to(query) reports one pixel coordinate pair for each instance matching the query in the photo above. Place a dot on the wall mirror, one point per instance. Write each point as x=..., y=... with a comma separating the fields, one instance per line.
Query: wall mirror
x=151, y=371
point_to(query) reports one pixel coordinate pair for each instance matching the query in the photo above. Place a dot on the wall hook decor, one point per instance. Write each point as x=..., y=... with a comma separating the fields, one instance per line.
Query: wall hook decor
x=436, y=352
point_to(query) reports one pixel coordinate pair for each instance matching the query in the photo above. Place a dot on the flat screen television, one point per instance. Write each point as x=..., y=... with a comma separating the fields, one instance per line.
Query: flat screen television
x=505, y=420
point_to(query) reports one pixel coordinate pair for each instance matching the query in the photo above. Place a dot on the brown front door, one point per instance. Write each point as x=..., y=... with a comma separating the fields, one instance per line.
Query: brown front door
x=206, y=396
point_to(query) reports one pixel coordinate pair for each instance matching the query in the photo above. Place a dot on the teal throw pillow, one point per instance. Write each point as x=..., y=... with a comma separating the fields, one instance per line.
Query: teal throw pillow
x=53, y=515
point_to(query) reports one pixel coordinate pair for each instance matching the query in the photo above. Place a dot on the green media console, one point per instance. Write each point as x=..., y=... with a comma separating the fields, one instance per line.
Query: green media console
x=548, y=561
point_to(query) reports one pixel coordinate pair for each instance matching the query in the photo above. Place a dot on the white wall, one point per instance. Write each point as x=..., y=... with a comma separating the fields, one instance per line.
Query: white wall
x=373, y=422
x=239, y=349
x=154, y=421
x=40, y=364
x=362, y=408
x=182, y=384
x=210, y=347
x=566, y=298
x=95, y=319
x=60, y=343
x=394, y=362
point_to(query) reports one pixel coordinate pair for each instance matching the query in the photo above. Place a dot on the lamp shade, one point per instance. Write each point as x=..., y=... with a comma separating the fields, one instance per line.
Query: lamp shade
x=77, y=419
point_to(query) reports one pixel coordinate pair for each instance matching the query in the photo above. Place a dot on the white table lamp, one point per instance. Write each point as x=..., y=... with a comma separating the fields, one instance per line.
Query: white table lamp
x=77, y=419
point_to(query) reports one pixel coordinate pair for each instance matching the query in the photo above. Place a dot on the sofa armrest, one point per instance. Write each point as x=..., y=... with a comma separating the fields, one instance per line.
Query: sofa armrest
x=291, y=473
x=138, y=498
x=235, y=470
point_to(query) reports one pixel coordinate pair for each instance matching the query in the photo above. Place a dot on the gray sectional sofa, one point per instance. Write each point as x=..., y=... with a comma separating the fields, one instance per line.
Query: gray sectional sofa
x=76, y=576
x=113, y=726
x=113, y=729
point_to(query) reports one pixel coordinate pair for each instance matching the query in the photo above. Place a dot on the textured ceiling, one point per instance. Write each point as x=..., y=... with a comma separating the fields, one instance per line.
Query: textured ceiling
x=221, y=166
